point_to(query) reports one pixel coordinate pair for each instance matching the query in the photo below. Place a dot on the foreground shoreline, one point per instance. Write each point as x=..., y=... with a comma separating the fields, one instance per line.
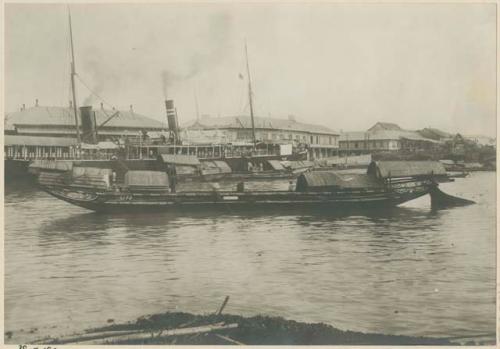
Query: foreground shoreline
x=218, y=329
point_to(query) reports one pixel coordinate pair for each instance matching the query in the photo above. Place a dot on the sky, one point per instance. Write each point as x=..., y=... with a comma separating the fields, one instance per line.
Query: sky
x=345, y=66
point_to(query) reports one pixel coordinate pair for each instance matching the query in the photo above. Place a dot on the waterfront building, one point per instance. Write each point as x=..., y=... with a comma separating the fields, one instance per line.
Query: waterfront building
x=319, y=141
x=50, y=121
x=386, y=137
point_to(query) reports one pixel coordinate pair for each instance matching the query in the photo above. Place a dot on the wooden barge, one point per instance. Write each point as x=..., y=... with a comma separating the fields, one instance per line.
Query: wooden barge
x=386, y=184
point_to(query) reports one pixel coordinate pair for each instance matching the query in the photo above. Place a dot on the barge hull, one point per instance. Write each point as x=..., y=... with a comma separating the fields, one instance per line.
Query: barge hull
x=117, y=202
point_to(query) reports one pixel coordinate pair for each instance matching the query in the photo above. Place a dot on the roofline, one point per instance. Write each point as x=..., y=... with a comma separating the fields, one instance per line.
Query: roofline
x=204, y=127
x=72, y=127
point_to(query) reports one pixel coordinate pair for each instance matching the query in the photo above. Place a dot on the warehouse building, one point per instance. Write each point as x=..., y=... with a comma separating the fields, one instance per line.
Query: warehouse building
x=385, y=137
x=60, y=122
x=319, y=141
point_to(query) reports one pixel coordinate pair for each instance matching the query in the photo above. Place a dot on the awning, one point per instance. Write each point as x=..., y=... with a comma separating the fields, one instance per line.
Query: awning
x=190, y=160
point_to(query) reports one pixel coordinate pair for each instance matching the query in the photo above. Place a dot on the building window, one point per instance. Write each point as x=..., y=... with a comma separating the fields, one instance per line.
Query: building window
x=355, y=144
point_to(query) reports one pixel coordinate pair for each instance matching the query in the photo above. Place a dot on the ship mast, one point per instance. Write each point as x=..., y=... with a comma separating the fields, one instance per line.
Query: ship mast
x=250, y=99
x=73, y=73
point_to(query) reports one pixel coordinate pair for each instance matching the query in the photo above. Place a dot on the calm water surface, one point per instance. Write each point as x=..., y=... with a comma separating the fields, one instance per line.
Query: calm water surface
x=406, y=271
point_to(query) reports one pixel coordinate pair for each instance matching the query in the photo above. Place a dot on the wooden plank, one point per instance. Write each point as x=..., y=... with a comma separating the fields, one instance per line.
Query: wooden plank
x=83, y=337
x=230, y=340
x=161, y=334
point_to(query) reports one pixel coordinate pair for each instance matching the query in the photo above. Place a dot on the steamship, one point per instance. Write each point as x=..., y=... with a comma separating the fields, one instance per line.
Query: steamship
x=134, y=150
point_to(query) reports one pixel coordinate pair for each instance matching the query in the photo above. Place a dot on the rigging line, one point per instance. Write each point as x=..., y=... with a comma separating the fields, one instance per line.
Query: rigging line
x=92, y=92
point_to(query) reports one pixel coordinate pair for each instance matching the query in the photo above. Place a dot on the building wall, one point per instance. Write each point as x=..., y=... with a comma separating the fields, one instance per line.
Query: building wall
x=106, y=133
x=377, y=145
x=273, y=135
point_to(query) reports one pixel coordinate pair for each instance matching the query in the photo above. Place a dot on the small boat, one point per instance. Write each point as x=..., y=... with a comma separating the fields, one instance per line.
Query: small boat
x=386, y=184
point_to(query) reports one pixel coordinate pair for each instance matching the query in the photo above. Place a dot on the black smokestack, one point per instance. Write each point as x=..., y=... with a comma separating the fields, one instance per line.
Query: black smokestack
x=89, y=127
x=173, y=124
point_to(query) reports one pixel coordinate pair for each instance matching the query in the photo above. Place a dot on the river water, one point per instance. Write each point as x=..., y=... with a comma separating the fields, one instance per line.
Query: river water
x=409, y=270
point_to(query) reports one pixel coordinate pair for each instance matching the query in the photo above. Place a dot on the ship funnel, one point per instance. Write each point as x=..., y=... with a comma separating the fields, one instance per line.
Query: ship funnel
x=88, y=122
x=173, y=123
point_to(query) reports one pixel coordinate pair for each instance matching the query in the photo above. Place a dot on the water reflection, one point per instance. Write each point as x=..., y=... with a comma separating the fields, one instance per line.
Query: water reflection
x=85, y=225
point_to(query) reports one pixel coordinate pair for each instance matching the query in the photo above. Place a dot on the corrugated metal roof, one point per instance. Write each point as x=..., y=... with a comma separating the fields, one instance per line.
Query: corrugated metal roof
x=63, y=116
x=386, y=169
x=385, y=126
x=39, y=141
x=434, y=133
x=260, y=122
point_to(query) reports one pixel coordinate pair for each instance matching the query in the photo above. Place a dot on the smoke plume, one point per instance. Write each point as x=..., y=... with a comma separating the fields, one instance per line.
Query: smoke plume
x=214, y=45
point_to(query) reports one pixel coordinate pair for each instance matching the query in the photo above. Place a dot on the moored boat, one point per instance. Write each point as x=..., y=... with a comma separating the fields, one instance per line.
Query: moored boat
x=386, y=184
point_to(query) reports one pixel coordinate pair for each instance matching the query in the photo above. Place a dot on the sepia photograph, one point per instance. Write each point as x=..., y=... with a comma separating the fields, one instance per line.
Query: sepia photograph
x=249, y=173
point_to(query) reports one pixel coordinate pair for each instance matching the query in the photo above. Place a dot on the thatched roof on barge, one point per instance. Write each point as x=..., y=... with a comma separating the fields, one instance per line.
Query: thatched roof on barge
x=215, y=167
x=386, y=169
x=276, y=165
x=146, y=180
x=55, y=165
x=331, y=180
x=91, y=177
